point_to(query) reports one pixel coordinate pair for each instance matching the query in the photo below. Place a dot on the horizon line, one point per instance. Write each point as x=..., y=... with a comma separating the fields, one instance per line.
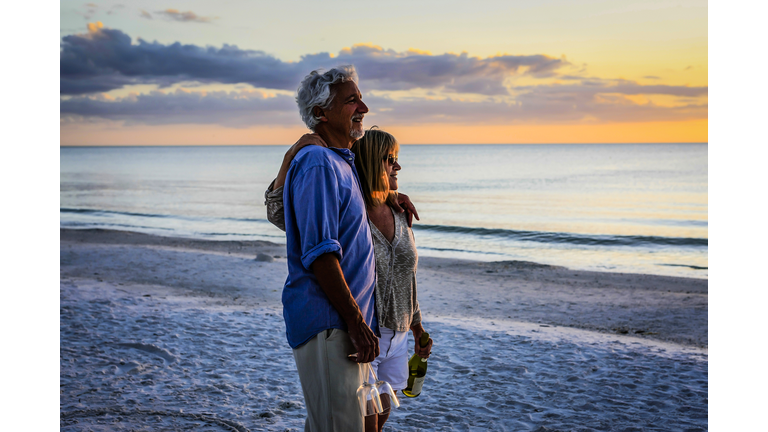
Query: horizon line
x=402, y=144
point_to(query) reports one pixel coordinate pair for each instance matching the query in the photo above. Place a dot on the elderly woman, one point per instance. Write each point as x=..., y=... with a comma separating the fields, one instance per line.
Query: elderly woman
x=394, y=248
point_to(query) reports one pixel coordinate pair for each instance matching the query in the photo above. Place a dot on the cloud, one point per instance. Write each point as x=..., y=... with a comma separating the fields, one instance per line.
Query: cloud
x=390, y=70
x=593, y=87
x=145, y=14
x=548, y=105
x=105, y=59
x=189, y=16
x=527, y=108
x=92, y=9
x=231, y=109
x=115, y=8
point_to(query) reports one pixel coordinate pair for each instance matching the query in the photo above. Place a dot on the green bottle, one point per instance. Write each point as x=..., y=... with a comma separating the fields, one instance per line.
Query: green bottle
x=417, y=369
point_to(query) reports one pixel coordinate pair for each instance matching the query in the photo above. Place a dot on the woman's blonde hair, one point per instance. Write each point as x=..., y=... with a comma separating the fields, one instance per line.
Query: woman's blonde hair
x=370, y=152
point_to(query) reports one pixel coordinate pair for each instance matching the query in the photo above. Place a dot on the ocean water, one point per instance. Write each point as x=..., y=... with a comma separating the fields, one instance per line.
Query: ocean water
x=639, y=208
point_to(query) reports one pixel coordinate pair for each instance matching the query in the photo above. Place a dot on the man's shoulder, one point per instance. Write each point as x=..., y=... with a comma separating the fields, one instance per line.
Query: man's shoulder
x=313, y=155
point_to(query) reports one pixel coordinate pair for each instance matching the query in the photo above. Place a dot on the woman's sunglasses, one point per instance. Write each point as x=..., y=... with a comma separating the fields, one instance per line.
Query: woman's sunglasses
x=391, y=159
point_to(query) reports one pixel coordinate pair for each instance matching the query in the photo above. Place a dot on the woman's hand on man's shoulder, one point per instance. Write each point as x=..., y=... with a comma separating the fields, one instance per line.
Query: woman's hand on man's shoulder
x=403, y=204
x=305, y=140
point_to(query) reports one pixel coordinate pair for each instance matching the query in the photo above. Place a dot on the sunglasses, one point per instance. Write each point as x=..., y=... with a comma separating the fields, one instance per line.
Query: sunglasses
x=391, y=159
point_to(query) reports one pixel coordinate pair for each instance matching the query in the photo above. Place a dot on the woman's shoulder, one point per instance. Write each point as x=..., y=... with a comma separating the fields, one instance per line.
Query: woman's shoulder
x=401, y=216
x=402, y=223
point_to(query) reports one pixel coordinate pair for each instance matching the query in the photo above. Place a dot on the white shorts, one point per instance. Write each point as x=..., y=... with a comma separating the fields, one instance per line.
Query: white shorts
x=392, y=363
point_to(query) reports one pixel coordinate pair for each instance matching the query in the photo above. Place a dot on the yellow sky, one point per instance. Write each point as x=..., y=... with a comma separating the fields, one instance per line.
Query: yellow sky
x=646, y=43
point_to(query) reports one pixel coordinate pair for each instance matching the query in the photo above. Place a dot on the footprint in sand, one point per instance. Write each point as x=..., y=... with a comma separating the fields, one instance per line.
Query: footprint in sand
x=153, y=349
x=127, y=367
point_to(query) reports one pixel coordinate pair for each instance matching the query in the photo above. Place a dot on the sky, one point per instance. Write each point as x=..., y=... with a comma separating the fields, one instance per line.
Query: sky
x=544, y=71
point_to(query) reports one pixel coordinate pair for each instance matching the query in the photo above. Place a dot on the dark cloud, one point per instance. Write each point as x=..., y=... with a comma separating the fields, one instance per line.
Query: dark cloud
x=528, y=108
x=389, y=70
x=232, y=109
x=555, y=104
x=189, y=16
x=106, y=59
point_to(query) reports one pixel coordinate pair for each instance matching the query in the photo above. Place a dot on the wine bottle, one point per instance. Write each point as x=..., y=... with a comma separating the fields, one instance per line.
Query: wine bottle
x=417, y=369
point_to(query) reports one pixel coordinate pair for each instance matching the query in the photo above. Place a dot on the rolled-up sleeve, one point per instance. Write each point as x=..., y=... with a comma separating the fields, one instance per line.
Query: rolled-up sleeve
x=327, y=246
x=315, y=199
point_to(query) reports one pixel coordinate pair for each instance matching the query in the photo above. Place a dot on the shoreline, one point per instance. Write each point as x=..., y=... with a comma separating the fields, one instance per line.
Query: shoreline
x=245, y=247
x=643, y=307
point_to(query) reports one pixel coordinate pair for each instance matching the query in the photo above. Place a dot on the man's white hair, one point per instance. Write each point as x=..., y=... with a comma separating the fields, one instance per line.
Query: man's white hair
x=315, y=90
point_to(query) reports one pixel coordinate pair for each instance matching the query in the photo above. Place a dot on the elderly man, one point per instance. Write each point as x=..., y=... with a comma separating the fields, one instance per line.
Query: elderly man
x=328, y=298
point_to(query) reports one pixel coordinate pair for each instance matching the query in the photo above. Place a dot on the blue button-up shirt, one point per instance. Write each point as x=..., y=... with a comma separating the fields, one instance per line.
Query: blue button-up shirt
x=325, y=213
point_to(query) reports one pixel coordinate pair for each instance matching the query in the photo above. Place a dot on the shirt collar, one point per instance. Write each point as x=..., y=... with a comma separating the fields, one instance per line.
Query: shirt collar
x=345, y=154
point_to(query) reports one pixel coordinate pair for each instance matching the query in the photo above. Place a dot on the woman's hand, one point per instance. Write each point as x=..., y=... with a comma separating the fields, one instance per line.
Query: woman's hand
x=305, y=140
x=422, y=352
x=404, y=204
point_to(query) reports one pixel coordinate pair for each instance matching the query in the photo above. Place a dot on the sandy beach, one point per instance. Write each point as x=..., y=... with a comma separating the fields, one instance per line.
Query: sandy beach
x=176, y=334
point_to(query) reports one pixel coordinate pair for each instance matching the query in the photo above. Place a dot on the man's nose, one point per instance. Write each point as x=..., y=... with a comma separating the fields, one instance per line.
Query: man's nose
x=363, y=108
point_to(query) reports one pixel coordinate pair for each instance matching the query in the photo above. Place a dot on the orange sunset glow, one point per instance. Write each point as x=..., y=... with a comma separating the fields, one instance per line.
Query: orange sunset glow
x=633, y=72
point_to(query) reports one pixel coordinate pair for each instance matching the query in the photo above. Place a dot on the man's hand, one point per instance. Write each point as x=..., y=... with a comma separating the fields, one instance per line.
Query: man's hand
x=421, y=352
x=331, y=280
x=365, y=341
x=404, y=204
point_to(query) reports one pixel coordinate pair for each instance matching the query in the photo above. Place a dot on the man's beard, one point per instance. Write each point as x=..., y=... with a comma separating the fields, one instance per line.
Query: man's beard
x=354, y=133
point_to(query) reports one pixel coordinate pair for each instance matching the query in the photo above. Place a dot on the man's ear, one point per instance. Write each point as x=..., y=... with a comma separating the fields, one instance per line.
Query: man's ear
x=319, y=113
